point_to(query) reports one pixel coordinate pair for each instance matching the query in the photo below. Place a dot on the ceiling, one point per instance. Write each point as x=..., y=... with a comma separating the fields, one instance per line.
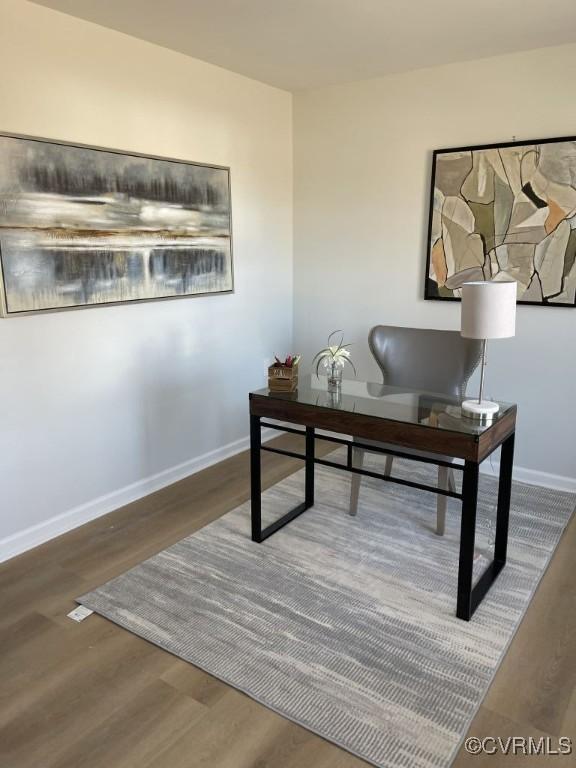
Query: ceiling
x=297, y=44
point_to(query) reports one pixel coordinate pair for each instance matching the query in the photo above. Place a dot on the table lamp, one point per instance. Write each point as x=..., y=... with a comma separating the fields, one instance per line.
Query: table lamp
x=488, y=312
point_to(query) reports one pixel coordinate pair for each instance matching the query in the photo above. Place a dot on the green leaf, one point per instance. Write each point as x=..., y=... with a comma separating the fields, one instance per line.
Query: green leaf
x=318, y=363
x=323, y=353
x=333, y=334
x=348, y=360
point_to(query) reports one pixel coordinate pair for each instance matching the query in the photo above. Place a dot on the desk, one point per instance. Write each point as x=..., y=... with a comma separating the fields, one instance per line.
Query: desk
x=409, y=419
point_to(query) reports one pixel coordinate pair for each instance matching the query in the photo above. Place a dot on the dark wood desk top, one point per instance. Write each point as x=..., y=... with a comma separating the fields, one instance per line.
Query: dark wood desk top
x=410, y=418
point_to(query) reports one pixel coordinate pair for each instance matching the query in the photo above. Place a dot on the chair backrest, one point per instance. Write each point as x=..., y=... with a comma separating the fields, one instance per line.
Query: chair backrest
x=419, y=358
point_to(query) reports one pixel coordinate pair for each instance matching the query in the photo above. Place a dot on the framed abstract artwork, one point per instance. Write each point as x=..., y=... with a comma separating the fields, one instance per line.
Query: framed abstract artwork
x=504, y=212
x=82, y=226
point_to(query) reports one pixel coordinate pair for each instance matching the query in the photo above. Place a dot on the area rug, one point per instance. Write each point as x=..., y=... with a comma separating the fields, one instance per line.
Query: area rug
x=346, y=624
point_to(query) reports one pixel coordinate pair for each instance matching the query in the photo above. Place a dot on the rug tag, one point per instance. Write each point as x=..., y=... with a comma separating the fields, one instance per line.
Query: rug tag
x=80, y=613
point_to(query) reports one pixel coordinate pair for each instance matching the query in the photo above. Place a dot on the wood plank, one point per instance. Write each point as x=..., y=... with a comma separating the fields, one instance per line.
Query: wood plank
x=34, y=646
x=136, y=734
x=39, y=723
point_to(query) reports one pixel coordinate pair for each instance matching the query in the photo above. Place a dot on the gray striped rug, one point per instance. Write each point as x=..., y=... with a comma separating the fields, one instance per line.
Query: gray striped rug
x=346, y=625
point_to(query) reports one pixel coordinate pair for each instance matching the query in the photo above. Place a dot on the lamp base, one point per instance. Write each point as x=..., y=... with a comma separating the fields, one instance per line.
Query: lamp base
x=485, y=410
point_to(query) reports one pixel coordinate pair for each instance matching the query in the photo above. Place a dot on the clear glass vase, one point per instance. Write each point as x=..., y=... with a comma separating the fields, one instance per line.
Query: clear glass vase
x=332, y=369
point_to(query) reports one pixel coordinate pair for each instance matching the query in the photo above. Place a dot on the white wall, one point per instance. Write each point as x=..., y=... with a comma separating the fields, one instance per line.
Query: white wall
x=362, y=170
x=96, y=402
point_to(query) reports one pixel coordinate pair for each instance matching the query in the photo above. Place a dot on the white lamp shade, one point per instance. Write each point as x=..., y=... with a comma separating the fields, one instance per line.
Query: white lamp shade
x=488, y=310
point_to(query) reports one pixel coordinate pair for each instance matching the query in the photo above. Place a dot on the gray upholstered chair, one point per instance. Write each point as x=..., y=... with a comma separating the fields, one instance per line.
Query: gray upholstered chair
x=435, y=361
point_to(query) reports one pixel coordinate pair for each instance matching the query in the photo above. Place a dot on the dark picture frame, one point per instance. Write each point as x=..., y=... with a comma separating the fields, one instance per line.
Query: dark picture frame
x=170, y=233
x=526, y=200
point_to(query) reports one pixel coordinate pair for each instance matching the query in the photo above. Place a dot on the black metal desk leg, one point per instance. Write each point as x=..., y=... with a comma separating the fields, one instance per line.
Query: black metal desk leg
x=504, y=495
x=255, y=479
x=310, y=447
x=464, y=608
x=260, y=534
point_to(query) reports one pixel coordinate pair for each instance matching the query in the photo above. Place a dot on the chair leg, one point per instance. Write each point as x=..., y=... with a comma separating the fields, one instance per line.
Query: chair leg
x=451, y=481
x=357, y=461
x=442, y=501
x=388, y=465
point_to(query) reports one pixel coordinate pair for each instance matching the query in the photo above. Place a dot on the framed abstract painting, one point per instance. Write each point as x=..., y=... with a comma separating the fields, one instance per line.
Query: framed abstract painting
x=82, y=226
x=504, y=212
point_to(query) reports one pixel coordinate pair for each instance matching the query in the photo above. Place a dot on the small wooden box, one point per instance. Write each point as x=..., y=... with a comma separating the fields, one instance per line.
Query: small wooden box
x=283, y=379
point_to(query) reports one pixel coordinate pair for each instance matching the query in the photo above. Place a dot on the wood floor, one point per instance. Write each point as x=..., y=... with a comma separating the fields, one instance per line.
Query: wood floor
x=92, y=695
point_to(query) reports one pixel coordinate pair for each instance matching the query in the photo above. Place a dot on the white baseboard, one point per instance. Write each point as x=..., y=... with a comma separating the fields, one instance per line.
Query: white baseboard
x=22, y=541
x=534, y=477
